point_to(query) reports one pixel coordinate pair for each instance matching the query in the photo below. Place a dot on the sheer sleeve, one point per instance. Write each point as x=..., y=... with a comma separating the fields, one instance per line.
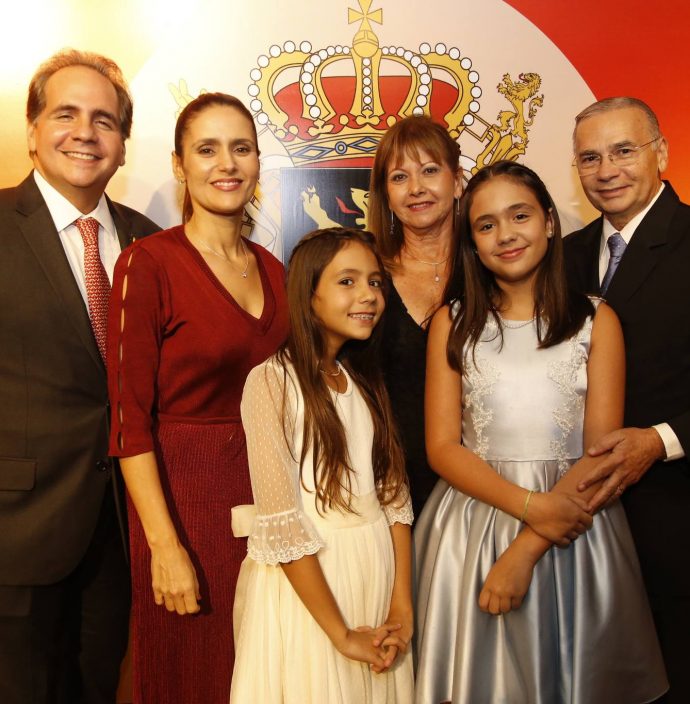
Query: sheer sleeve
x=400, y=509
x=281, y=532
x=139, y=299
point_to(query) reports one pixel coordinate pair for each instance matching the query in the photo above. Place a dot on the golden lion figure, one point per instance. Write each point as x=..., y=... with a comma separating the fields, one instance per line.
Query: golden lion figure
x=508, y=138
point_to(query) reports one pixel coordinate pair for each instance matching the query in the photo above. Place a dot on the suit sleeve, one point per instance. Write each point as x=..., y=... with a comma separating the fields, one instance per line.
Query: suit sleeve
x=139, y=299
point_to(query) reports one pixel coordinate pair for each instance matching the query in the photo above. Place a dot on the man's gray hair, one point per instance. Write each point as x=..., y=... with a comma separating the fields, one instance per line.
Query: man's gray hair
x=619, y=103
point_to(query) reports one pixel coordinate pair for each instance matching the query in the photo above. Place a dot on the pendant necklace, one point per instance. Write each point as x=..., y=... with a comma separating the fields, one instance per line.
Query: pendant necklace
x=242, y=273
x=436, y=265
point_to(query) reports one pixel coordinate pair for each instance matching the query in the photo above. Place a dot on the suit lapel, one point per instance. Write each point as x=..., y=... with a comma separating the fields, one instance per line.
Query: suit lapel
x=586, y=257
x=38, y=229
x=593, y=244
x=646, y=247
x=123, y=224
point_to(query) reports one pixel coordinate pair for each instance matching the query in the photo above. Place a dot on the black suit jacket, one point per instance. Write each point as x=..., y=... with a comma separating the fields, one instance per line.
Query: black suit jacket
x=54, y=465
x=650, y=292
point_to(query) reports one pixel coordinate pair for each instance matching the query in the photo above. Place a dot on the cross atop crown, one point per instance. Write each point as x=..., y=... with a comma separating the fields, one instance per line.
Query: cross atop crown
x=365, y=16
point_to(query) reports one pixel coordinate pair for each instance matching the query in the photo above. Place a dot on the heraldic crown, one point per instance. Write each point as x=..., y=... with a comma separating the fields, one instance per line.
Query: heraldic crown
x=334, y=104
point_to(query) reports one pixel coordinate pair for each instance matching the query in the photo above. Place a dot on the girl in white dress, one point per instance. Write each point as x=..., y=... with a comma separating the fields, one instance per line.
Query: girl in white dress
x=323, y=611
x=522, y=375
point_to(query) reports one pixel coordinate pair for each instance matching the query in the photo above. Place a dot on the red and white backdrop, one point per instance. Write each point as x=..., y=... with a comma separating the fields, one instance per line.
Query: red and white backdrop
x=325, y=77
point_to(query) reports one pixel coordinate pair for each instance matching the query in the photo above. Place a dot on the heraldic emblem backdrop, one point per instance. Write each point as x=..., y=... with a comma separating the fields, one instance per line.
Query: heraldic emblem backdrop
x=322, y=112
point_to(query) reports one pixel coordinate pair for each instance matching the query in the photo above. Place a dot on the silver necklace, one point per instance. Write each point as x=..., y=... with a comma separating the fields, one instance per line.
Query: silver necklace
x=514, y=324
x=333, y=374
x=243, y=273
x=436, y=265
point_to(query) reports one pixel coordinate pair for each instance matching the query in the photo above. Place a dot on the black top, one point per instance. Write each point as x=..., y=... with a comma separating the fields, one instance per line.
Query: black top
x=404, y=368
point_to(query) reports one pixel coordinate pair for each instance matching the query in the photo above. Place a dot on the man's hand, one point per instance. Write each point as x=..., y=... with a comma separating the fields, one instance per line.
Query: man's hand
x=632, y=452
x=558, y=517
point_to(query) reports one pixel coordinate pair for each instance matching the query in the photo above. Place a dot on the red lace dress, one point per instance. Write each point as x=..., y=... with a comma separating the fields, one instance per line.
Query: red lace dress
x=179, y=350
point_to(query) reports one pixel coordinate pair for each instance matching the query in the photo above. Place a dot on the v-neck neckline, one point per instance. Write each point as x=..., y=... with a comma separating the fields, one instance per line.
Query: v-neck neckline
x=269, y=301
x=423, y=331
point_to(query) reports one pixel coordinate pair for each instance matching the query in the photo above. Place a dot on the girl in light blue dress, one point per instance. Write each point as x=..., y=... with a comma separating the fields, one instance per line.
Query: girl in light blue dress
x=524, y=597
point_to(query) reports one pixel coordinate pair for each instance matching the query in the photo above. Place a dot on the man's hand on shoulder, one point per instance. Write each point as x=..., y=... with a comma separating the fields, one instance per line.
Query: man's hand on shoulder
x=631, y=452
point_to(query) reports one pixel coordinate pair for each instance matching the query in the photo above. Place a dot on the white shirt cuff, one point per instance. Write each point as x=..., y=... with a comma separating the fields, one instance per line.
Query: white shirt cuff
x=674, y=450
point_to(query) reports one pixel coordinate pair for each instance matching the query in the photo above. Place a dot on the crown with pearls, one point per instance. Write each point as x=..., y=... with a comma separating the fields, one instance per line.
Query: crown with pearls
x=334, y=104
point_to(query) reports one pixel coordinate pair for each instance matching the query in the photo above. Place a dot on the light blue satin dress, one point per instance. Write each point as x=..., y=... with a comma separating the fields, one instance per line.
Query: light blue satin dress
x=584, y=634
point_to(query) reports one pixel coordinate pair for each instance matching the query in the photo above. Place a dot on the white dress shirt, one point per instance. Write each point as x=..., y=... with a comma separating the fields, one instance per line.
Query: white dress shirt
x=626, y=233
x=674, y=450
x=64, y=215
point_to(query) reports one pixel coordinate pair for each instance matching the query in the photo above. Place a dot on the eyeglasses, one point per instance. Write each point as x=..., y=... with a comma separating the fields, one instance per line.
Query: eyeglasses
x=589, y=162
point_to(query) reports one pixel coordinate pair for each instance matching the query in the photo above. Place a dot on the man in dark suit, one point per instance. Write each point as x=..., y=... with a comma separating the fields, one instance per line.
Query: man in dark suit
x=637, y=256
x=64, y=581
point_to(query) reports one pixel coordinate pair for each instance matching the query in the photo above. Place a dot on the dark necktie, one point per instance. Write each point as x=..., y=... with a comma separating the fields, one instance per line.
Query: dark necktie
x=97, y=283
x=616, y=245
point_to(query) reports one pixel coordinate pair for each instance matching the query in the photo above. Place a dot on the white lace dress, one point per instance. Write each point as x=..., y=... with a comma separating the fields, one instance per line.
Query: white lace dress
x=282, y=655
x=584, y=634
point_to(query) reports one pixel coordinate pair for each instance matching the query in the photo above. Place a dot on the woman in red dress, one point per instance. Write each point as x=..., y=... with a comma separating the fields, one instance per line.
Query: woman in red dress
x=193, y=309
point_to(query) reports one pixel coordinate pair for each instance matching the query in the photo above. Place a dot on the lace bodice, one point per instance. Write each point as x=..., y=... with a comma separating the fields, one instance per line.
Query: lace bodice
x=283, y=530
x=524, y=403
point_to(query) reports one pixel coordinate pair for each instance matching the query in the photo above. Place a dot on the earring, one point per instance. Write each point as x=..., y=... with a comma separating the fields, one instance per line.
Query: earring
x=549, y=234
x=392, y=232
x=456, y=211
x=180, y=181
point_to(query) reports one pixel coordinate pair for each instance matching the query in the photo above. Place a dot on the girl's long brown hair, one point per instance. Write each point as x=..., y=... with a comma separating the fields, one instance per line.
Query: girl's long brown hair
x=304, y=349
x=559, y=311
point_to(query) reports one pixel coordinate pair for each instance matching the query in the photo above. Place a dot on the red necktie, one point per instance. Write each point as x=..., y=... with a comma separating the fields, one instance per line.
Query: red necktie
x=97, y=283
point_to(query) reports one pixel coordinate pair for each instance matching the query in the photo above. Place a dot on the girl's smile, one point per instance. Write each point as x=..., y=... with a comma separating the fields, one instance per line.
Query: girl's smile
x=511, y=254
x=348, y=300
x=509, y=229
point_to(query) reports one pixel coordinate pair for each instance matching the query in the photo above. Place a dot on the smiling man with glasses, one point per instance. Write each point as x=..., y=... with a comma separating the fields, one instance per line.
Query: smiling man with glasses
x=622, y=155
x=637, y=256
